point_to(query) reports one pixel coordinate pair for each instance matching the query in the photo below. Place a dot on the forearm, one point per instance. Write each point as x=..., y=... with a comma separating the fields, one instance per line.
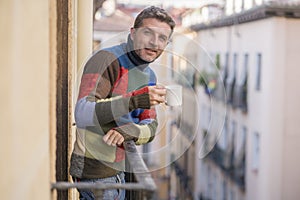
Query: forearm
x=103, y=111
x=108, y=110
x=140, y=133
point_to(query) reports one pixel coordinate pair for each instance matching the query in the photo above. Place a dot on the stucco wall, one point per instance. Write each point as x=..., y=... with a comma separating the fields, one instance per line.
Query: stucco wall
x=24, y=83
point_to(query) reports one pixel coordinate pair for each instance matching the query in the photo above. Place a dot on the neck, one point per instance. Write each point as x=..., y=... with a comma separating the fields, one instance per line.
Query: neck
x=134, y=58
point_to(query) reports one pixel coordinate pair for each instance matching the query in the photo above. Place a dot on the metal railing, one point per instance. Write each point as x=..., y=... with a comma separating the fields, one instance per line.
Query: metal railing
x=139, y=183
x=235, y=173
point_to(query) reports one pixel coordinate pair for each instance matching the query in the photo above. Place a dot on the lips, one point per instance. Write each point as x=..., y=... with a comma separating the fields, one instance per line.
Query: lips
x=152, y=51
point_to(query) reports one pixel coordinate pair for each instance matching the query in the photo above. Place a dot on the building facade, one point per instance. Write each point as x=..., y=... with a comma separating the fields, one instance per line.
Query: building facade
x=246, y=144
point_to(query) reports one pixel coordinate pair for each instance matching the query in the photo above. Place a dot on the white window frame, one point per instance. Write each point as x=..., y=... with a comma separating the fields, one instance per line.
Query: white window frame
x=258, y=72
x=255, y=151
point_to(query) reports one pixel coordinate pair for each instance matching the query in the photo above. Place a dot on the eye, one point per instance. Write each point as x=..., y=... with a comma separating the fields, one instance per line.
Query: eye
x=163, y=38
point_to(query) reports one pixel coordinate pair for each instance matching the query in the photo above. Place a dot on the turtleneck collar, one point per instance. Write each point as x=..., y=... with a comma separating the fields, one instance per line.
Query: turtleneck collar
x=134, y=58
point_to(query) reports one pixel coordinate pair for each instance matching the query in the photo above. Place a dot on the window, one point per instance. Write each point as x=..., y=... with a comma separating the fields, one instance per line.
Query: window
x=230, y=82
x=244, y=73
x=217, y=61
x=205, y=117
x=238, y=6
x=229, y=153
x=214, y=186
x=231, y=194
x=240, y=146
x=209, y=182
x=258, y=72
x=258, y=2
x=229, y=7
x=255, y=151
x=225, y=68
x=244, y=80
x=237, y=87
x=222, y=144
x=224, y=190
x=233, y=132
x=233, y=142
x=219, y=92
x=248, y=4
x=240, y=88
x=240, y=157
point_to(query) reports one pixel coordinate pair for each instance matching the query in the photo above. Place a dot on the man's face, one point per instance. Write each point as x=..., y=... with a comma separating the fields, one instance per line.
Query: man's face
x=150, y=39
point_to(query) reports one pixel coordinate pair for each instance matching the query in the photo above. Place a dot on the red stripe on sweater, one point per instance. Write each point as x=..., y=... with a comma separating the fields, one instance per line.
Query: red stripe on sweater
x=137, y=92
x=148, y=113
x=121, y=85
x=88, y=83
x=120, y=154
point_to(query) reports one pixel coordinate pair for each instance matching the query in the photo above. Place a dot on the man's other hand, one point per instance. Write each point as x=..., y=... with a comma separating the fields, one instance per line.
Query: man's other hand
x=113, y=138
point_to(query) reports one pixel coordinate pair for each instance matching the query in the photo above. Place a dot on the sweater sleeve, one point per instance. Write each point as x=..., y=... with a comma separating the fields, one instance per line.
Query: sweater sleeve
x=140, y=133
x=108, y=110
x=95, y=103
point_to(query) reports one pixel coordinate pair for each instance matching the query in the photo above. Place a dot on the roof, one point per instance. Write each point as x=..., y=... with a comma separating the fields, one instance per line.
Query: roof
x=256, y=13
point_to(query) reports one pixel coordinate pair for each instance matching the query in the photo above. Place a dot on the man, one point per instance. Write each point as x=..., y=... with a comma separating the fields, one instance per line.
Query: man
x=116, y=102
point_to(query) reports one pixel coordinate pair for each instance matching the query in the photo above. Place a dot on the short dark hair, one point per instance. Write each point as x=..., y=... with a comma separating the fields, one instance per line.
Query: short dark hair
x=154, y=12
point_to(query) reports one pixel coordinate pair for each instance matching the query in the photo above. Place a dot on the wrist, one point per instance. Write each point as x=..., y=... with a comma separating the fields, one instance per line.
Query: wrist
x=139, y=99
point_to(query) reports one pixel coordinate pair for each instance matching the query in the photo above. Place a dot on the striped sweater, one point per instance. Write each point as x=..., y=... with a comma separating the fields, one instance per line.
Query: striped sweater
x=112, y=95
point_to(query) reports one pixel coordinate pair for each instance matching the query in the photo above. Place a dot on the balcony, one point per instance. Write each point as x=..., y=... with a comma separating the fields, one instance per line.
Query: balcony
x=230, y=165
x=183, y=178
x=139, y=183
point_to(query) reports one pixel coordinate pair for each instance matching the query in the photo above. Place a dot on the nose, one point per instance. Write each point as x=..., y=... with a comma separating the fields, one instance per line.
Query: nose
x=154, y=41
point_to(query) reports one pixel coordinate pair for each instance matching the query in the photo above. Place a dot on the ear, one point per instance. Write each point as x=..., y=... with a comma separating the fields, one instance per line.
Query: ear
x=132, y=32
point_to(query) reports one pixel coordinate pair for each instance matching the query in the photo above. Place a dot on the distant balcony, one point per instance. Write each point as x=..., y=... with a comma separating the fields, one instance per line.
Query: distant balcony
x=139, y=183
x=218, y=157
x=229, y=92
x=183, y=177
x=226, y=162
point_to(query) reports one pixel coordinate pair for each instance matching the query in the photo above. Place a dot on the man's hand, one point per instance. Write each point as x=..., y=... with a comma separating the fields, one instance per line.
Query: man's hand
x=157, y=94
x=113, y=138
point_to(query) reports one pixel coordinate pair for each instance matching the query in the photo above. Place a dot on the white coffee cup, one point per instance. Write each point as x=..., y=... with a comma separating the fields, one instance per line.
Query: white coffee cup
x=174, y=95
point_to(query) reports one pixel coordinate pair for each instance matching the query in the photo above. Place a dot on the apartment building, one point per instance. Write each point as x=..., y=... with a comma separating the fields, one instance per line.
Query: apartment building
x=248, y=100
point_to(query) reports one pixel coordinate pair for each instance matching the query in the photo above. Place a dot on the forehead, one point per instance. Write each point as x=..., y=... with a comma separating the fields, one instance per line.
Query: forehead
x=157, y=26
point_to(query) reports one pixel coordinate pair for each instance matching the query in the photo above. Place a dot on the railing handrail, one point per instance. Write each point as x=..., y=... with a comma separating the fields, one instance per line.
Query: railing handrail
x=137, y=167
x=63, y=185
